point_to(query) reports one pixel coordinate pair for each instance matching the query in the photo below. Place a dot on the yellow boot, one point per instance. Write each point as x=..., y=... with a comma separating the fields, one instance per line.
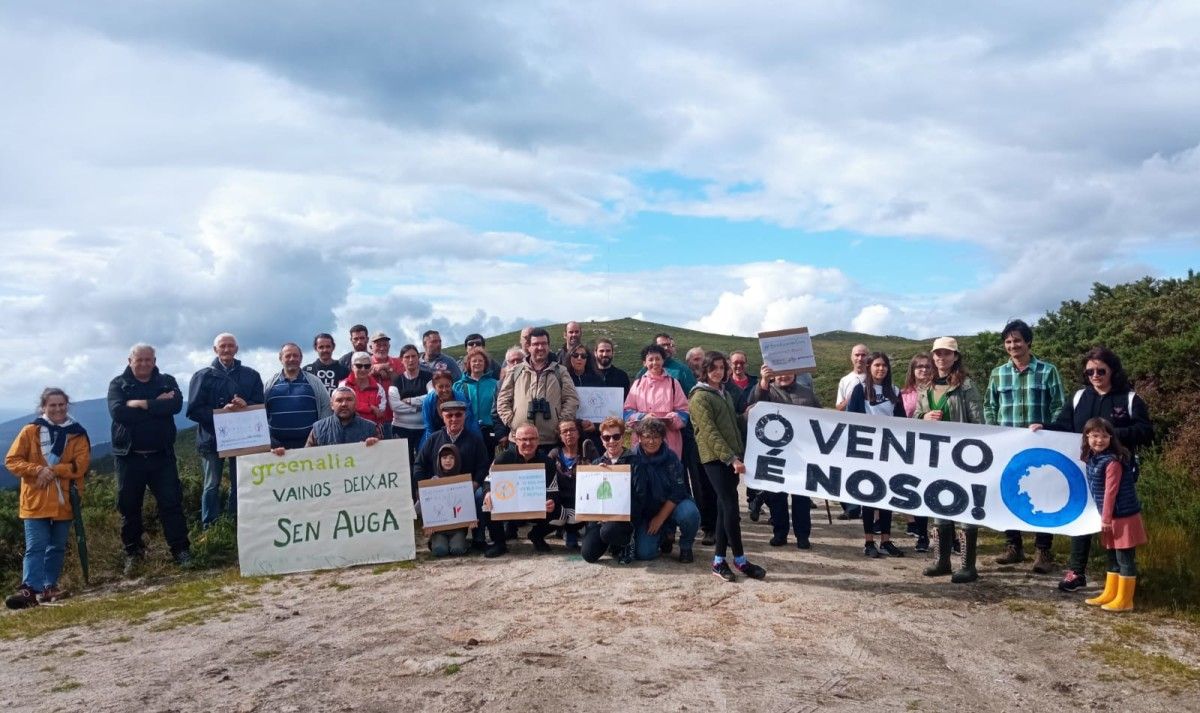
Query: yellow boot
x=1109, y=593
x=1124, y=600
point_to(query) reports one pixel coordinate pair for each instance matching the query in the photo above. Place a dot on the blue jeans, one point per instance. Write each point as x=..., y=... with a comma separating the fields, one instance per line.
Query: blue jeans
x=685, y=516
x=210, y=499
x=45, y=547
x=801, y=519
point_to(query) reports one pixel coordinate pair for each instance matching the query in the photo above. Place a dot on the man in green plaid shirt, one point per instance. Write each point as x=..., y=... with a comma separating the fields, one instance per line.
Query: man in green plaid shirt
x=1021, y=391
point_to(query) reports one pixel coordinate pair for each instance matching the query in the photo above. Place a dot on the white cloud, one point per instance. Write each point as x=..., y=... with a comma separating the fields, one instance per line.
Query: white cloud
x=174, y=178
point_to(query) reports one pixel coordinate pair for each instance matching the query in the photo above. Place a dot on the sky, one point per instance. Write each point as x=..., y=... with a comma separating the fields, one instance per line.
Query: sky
x=278, y=169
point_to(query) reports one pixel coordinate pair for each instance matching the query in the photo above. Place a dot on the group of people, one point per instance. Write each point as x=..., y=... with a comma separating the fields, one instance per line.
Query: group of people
x=686, y=431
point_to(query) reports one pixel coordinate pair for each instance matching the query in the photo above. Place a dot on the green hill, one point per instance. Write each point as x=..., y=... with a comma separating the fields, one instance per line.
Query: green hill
x=629, y=335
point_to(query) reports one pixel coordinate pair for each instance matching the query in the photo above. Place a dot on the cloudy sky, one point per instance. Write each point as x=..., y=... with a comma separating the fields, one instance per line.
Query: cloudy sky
x=173, y=170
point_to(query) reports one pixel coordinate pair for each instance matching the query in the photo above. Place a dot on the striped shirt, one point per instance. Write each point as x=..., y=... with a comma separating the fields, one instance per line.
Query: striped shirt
x=1019, y=398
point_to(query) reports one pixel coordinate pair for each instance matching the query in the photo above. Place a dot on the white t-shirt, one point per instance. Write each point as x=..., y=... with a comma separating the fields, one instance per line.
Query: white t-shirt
x=846, y=386
x=884, y=407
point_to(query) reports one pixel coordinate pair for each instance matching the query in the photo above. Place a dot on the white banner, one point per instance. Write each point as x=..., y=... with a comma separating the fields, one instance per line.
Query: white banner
x=323, y=508
x=1002, y=478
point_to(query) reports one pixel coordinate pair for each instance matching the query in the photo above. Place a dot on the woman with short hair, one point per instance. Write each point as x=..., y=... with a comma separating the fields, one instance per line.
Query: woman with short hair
x=656, y=393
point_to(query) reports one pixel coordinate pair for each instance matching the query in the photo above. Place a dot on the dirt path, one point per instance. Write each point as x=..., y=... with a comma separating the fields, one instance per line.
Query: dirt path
x=827, y=630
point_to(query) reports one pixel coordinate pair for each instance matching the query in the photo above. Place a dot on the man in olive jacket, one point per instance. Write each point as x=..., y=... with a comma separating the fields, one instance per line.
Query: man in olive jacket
x=142, y=402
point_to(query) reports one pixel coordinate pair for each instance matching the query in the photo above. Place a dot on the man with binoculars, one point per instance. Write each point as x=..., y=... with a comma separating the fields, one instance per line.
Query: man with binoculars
x=538, y=392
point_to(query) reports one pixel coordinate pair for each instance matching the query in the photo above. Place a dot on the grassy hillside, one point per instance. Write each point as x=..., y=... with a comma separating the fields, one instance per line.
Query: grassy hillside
x=630, y=335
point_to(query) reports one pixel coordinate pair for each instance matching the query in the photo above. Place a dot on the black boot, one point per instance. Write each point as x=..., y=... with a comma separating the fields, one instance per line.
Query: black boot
x=942, y=566
x=968, y=573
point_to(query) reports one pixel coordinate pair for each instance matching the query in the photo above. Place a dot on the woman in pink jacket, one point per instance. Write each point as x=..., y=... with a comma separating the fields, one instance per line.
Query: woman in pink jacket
x=656, y=393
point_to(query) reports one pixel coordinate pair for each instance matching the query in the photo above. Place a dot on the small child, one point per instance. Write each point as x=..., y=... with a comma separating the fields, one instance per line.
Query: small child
x=1121, y=530
x=448, y=542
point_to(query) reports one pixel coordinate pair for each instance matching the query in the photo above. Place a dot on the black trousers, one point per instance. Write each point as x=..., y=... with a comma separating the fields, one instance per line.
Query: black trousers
x=729, y=527
x=600, y=536
x=702, y=490
x=158, y=472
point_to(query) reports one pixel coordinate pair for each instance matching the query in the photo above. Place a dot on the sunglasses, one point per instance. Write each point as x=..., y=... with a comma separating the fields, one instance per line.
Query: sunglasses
x=362, y=366
x=610, y=437
x=1095, y=372
x=579, y=356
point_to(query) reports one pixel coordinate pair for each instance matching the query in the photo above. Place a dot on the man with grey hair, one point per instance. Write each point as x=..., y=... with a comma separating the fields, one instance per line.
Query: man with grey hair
x=295, y=400
x=694, y=358
x=142, y=402
x=224, y=385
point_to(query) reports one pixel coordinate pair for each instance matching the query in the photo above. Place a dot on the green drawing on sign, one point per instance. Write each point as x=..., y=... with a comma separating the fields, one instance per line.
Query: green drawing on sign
x=604, y=491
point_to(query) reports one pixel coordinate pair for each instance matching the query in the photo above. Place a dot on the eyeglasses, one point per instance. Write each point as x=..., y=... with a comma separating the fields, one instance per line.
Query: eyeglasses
x=362, y=366
x=475, y=344
x=1095, y=372
x=579, y=356
x=610, y=437
x=452, y=414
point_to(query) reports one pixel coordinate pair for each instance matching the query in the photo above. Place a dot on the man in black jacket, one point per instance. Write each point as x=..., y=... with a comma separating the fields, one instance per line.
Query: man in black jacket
x=142, y=402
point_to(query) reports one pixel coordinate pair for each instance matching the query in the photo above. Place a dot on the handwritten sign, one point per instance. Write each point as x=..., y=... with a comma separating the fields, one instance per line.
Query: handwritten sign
x=323, y=508
x=602, y=494
x=788, y=351
x=447, y=503
x=518, y=492
x=242, y=432
x=597, y=403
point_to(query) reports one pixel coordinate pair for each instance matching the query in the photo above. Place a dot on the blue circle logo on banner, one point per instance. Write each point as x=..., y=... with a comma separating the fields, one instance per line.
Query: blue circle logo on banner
x=1044, y=488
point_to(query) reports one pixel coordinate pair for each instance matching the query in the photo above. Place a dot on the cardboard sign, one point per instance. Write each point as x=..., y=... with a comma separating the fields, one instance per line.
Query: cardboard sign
x=242, y=432
x=1000, y=478
x=788, y=351
x=325, y=507
x=447, y=502
x=603, y=494
x=518, y=492
x=597, y=403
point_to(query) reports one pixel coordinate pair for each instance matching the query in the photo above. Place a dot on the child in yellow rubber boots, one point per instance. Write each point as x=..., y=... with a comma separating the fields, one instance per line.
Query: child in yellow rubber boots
x=1112, y=477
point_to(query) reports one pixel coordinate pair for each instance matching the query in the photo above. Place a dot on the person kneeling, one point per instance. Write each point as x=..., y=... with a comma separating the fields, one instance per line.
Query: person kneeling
x=659, y=498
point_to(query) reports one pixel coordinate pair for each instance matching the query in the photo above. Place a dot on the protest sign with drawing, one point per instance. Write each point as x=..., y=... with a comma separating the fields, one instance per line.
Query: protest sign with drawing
x=326, y=507
x=1001, y=478
x=597, y=403
x=788, y=351
x=602, y=494
x=447, y=502
x=242, y=432
x=518, y=492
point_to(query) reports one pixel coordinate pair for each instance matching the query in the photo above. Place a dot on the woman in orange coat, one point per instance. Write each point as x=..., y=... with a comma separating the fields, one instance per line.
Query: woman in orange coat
x=48, y=455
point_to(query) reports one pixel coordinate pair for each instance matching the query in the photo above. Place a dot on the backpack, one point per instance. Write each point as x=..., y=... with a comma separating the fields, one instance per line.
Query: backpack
x=1079, y=395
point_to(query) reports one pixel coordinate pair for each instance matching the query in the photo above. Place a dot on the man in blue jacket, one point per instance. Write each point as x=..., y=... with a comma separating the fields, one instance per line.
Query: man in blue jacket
x=224, y=385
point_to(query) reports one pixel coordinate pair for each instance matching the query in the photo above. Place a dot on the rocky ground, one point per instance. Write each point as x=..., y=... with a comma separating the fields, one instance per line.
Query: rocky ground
x=826, y=630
